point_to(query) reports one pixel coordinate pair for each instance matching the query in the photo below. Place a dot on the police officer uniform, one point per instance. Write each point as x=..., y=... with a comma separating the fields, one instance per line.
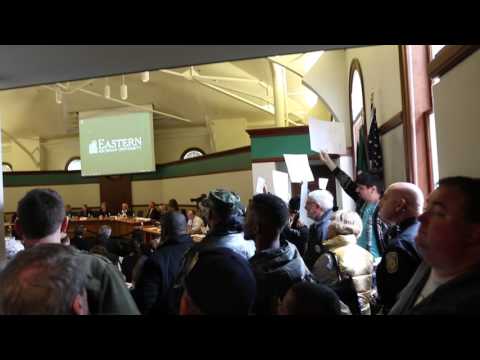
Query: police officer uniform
x=399, y=262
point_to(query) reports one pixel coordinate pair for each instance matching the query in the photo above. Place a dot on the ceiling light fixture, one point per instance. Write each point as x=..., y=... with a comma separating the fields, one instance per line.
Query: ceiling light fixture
x=123, y=89
x=106, y=91
x=145, y=76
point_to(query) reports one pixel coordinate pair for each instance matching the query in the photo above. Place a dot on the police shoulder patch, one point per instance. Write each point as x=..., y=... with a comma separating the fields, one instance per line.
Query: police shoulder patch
x=391, y=262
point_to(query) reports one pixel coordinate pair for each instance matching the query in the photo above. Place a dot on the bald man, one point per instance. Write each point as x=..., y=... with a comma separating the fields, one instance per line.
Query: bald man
x=400, y=207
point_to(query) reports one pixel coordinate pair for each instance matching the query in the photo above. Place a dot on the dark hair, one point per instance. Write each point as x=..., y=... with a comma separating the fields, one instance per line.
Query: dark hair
x=222, y=282
x=294, y=204
x=370, y=180
x=41, y=280
x=470, y=188
x=173, y=204
x=313, y=299
x=80, y=230
x=40, y=213
x=270, y=209
x=173, y=225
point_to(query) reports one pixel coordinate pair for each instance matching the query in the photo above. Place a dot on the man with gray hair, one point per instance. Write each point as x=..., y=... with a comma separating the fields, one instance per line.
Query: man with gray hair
x=319, y=208
x=44, y=280
x=400, y=207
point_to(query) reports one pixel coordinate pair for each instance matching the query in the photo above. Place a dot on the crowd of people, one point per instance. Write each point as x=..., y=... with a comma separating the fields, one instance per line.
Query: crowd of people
x=396, y=254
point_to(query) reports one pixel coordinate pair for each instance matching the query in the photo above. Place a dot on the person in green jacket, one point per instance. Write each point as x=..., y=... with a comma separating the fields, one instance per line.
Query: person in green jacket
x=41, y=220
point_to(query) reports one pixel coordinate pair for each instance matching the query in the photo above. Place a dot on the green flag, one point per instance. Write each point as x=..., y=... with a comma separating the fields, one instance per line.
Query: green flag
x=362, y=164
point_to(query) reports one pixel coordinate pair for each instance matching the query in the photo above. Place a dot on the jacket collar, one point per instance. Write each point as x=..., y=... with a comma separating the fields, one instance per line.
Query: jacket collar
x=340, y=240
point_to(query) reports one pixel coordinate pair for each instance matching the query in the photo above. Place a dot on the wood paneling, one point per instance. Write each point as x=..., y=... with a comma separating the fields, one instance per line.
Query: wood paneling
x=115, y=190
x=449, y=57
x=391, y=124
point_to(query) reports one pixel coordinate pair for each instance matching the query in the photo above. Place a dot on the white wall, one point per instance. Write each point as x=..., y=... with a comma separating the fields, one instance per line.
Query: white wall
x=185, y=188
x=457, y=116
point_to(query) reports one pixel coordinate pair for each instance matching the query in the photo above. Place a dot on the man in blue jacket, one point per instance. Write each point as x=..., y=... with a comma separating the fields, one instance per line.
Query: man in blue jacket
x=400, y=207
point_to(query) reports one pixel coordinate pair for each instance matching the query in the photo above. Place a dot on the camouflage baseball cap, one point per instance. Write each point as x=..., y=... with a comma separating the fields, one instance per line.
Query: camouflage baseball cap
x=222, y=200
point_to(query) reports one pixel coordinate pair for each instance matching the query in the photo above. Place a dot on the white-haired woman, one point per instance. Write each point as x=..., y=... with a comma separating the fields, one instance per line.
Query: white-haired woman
x=342, y=258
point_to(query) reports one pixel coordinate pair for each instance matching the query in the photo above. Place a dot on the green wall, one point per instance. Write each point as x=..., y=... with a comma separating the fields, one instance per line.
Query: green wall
x=275, y=146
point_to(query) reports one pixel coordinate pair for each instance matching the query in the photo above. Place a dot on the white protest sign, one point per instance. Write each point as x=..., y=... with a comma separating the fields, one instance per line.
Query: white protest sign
x=260, y=185
x=281, y=185
x=327, y=135
x=322, y=183
x=298, y=168
x=303, y=200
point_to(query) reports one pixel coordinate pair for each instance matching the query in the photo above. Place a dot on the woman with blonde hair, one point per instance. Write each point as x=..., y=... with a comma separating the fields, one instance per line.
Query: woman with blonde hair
x=342, y=260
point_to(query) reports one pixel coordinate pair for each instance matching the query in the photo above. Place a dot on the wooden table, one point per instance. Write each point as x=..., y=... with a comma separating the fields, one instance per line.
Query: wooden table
x=121, y=227
x=151, y=232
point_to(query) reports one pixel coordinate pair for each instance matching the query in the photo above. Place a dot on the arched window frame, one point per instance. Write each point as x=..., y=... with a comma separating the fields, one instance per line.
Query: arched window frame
x=356, y=126
x=192, y=149
x=75, y=158
x=8, y=165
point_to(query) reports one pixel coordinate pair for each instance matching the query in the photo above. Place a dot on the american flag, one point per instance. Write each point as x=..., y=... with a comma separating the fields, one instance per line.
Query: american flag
x=375, y=156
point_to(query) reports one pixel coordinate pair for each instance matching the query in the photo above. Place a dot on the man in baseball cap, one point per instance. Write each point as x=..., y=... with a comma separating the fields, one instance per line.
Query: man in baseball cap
x=225, y=216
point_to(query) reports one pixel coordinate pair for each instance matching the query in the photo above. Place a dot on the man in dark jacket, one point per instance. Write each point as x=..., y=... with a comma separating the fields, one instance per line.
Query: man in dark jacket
x=225, y=215
x=319, y=208
x=277, y=264
x=152, y=212
x=400, y=207
x=152, y=289
x=448, y=281
x=79, y=239
x=295, y=232
x=41, y=220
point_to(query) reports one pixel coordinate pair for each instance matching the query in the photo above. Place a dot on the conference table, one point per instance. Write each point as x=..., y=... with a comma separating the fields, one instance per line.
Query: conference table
x=121, y=226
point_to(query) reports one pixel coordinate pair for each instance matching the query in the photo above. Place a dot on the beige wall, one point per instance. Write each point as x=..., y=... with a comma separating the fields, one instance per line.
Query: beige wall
x=171, y=143
x=381, y=75
x=457, y=117
x=75, y=195
x=185, y=188
x=328, y=79
x=24, y=155
x=229, y=133
x=394, y=156
x=58, y=152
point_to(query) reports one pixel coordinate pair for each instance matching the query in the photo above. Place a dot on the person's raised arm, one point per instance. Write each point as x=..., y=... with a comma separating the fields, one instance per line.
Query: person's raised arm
x=345, y=181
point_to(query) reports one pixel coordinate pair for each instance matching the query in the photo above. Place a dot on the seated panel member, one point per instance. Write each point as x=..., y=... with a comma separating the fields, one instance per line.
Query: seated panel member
x=126, y=211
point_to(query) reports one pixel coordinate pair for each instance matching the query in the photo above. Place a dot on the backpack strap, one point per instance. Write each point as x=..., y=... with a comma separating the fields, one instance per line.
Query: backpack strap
x=335, y=264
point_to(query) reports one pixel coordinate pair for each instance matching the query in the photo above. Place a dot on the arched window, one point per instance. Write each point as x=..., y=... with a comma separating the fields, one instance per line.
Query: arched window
x=74, y=164
x=357, y=110
x=7, y=167
x=192, y=153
